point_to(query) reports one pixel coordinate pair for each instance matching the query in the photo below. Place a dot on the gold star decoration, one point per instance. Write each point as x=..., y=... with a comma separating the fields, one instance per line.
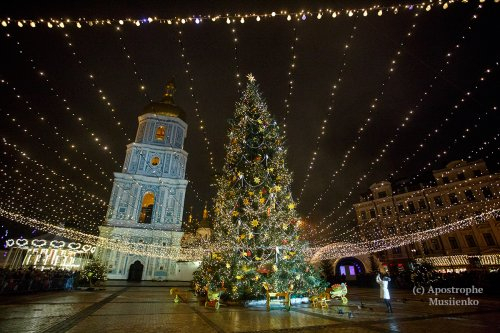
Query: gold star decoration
x=250, y=77
x=256, y=180
x=255, y=223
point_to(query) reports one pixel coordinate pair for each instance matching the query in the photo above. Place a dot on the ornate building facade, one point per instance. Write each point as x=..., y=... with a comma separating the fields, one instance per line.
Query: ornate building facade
x=147, y=199
x=461, y=190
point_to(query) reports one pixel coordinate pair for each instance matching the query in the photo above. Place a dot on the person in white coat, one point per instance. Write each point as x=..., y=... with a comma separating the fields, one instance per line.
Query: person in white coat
x=384, y=291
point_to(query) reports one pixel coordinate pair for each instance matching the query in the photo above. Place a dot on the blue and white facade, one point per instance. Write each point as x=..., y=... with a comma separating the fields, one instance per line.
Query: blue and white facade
x=147, y=199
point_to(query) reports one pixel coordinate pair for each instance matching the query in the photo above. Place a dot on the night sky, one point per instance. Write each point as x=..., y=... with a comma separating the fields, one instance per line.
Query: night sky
x=421, y=80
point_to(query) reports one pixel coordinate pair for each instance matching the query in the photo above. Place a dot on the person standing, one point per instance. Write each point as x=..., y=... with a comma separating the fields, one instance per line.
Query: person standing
x=384, y=291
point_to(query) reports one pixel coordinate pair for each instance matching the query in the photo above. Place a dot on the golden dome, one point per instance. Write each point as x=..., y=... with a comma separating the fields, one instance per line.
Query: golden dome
x=167, y=106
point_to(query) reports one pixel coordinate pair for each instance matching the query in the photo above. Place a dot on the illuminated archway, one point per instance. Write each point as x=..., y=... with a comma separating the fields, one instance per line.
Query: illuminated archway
x=349, y=267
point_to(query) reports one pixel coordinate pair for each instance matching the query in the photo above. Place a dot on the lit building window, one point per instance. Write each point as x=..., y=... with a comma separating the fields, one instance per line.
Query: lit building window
x=160, y=133
x=147, y=208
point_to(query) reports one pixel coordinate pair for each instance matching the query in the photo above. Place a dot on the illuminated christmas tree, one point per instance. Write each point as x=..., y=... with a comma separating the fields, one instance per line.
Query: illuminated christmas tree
x=256, y=227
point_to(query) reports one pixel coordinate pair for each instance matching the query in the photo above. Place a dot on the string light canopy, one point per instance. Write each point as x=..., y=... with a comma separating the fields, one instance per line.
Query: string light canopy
x=241, y=18
x=330, y=251
x=453, y=111
x=239, y=21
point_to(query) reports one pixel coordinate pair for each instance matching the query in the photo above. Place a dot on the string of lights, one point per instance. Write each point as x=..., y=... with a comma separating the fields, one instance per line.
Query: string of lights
x=323, y=128
x=51, y=210
x=375, y=10
x=189, y=74
x=249, y=182
x=29, y=181
x=44, y=120
x=485, y=152
x=192, y=187
x=75, y=166
x=466, y=133
x=137, y=75
x=291, y=71
x=413, y=111
x=366, y=122
x=429, y=164
x=51, y=174
x=455, y=109
x=92, y=79
x=237, y=75
x=339, y=250
x=122, y=245
x=413, y=222
x=392, y=140
x=352, y=233
x=78, y=118
x=21, y=194
x=331, y=251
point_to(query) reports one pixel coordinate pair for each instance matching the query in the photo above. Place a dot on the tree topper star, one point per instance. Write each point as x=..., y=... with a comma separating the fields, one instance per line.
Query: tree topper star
x=250, y=77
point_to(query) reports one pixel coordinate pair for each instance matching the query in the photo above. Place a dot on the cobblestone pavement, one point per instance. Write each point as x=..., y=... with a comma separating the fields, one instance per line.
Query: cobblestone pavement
x=149, y=307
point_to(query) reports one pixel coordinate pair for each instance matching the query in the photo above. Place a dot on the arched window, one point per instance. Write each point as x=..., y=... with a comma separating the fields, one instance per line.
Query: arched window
x=147, y=208
x=160, y=133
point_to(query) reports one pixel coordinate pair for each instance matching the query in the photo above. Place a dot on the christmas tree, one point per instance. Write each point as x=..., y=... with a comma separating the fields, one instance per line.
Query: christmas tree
x=256, y=227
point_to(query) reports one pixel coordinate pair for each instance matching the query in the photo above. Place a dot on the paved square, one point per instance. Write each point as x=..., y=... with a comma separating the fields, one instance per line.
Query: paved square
x=149, y=307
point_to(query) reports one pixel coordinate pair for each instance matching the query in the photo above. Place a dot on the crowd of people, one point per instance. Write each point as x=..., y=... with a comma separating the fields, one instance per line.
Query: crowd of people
x=32, y=279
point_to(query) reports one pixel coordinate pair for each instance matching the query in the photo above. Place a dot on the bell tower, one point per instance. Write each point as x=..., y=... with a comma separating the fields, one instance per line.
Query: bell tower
x=147, y=199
